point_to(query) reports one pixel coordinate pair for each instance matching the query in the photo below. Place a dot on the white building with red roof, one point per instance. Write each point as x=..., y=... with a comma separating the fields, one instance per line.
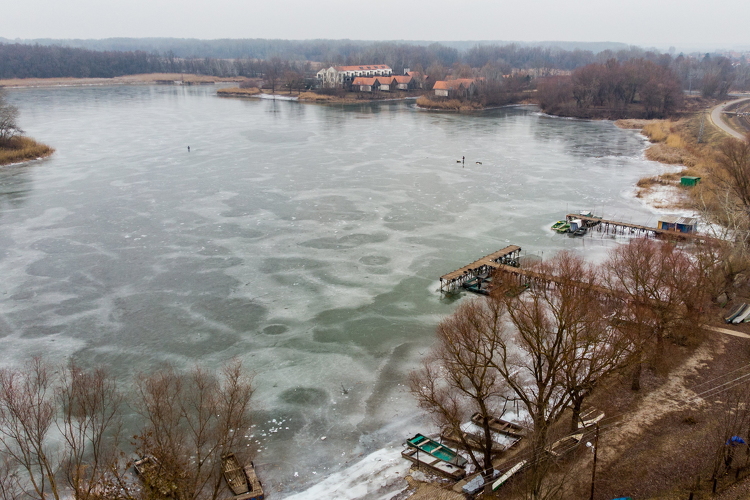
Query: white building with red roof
x=345, y=75
x=460, y=87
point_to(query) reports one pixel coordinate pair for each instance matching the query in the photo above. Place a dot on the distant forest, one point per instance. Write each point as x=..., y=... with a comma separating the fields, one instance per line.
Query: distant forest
x=712, y=75
x=294, y=50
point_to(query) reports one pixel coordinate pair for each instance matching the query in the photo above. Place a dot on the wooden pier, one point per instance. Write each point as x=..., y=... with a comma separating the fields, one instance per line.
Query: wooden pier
x=483, y=267
x=503, y=264
x=617, y=227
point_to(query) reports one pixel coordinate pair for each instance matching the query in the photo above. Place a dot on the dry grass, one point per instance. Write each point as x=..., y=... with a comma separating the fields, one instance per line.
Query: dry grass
x=632, y=123
x=20, y=149
x=312, y=96
x=649, y=182
x=238, y=91
x=447, y=105
x=675, y=141
x=663, y=153
x=657, y=131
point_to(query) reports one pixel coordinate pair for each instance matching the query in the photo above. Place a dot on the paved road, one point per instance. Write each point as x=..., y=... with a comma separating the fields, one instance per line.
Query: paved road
x=718, y=120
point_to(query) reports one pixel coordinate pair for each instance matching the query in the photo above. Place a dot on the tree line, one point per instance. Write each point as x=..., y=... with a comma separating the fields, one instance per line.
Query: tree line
x=635, y=88
x=712, y=75
x=62, y=432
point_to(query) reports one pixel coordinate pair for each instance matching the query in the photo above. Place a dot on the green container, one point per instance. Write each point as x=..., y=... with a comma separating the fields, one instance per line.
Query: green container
x=689, y=181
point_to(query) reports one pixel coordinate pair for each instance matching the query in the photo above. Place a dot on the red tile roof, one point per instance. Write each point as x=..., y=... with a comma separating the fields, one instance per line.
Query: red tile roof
x=362, y=68
x=452, y=84
x=403, y=78
x=361, y=80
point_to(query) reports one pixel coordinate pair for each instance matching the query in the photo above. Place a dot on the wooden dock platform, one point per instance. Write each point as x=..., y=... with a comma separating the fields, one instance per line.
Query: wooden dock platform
x=486, y=265
x=618, y=227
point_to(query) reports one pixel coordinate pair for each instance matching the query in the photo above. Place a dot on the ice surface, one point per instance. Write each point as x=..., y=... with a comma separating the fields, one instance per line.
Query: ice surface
x=305, y=240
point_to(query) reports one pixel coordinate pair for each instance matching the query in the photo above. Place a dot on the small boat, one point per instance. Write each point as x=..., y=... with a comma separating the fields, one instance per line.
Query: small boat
x=734, y=312
x=501, y=426
x=508, y=475
x=436, y=449
x=425, y=460
x=145, y=465
x=558, y=224
x=234, y=474
x=481, y=284
x=564, y=228
x=243, y=481
x=564, y=445
x=742, y=315
x=581, y=231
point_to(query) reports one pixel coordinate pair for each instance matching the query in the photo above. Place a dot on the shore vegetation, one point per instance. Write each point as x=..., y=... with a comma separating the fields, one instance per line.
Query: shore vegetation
x=21, y=149
x=14, y=147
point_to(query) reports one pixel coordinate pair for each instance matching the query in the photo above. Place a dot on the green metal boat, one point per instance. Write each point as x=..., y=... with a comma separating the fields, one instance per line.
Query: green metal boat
x=564, y=228
x=436, y=449
x=558, y=224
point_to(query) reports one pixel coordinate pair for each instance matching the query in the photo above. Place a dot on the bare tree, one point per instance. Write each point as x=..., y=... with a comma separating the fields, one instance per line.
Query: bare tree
x=662, y=292
x=272, y=72
x=27, y=412
x=456, y=381
x=8, y=120
x=10, y=486
x=192, y=420
x=292, y=79
x=91, y=406
x=547, y=349
x=555, y=356
x=733, y=162
x=732, y=418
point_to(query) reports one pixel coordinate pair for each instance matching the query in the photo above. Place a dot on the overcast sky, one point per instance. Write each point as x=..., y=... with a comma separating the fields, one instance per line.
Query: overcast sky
x=640, y=22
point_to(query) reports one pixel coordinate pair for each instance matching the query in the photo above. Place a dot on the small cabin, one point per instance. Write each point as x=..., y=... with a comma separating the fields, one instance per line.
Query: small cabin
x=678, y=224
x=365, y=84
x=387, y=83
x=689, y=181
x=404, y=82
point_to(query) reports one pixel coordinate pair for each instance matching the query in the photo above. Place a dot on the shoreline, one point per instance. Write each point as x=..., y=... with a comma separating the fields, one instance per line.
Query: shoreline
x=306, y=97
x=141, y=79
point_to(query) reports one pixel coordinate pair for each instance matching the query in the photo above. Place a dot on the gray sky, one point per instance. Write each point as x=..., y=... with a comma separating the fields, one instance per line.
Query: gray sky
x=641, y=22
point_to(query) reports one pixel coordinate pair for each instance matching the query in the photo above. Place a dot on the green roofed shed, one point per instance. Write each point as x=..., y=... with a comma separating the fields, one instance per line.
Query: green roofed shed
x=689, y=180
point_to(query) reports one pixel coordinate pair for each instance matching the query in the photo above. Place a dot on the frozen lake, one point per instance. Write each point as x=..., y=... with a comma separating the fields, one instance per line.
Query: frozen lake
x=305, y=240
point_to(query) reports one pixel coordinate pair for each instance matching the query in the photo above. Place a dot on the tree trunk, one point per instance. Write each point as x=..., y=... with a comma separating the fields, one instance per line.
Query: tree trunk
x=487, y=447
x=635, y=384
x=576, y=418
x=537, y=461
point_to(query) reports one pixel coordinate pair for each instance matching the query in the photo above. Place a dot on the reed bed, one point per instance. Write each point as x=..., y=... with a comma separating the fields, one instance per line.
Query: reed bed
x=20, y=149
x=449, y=105
x=313, y=96
x=238, y=91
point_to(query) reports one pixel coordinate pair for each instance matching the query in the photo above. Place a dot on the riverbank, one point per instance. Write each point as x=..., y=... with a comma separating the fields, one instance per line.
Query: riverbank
x=143, y=79
x=685, y=147
x=309, y=96
x=21, y=149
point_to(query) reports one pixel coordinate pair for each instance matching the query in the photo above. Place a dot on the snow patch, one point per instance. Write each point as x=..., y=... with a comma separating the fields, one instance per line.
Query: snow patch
x=378, y=476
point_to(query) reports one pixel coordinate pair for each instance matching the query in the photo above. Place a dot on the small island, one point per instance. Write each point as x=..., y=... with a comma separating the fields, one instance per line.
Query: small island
x=14, y=146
